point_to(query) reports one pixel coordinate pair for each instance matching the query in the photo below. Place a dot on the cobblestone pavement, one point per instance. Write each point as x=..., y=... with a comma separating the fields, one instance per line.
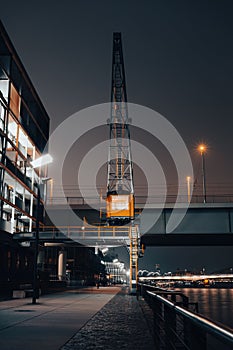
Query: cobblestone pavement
x=120, y=324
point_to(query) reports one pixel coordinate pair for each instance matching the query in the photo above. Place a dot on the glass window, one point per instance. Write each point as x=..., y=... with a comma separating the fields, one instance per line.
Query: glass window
x=23, y=142
x=14, y=101
x=12, y=129
x=4, y=88
x=2, y=117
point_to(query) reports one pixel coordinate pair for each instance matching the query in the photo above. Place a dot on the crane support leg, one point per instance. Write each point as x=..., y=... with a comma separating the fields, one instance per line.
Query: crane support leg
x=134, y=238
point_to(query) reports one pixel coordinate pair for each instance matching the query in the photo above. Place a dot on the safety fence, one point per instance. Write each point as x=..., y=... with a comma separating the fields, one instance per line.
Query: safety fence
x=175, y=326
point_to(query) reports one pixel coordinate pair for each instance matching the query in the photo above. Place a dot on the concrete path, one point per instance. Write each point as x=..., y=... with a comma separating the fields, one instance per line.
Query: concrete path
x=53, y=321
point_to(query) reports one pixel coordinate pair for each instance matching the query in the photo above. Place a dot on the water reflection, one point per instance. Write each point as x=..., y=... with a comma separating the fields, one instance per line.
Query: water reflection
x=216, y=304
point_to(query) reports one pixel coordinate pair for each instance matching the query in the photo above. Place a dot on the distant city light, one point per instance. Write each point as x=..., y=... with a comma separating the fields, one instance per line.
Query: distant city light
x=188, y=277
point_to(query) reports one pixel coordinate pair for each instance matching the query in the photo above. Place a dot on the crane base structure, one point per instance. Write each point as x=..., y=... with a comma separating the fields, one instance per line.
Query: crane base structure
x=134, y=253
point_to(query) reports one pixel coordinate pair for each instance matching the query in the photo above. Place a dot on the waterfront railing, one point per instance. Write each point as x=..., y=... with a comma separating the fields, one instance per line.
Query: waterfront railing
x=177, y=327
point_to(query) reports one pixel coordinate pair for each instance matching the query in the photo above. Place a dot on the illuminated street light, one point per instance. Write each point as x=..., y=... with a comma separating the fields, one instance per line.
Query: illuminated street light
x=104, y=251
x=39, y=162
x=202, y=148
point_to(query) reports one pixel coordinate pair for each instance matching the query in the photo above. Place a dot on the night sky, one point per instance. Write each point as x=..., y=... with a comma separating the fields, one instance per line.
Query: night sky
x=178, y=60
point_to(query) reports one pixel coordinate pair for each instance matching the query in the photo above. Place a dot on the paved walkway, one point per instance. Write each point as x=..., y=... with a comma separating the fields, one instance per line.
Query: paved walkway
x=119, y=325
x=50, y=323
x=79, y=319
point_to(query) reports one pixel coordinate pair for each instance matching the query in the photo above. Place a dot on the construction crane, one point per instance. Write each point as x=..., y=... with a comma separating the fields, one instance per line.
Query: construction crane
x=120, y=189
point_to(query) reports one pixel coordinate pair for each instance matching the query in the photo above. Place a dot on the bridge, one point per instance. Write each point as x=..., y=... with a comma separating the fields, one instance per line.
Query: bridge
x=204, y=224
x=100, y=236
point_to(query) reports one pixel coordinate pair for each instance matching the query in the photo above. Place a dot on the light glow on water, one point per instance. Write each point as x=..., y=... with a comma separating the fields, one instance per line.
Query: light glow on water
x=213, y=303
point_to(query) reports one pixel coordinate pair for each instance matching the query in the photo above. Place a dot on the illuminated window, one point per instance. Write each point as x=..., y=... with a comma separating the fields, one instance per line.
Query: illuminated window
x=2, y=114
x=12, y=129
x=23, y=142
x=14, y=101
x=4, y=88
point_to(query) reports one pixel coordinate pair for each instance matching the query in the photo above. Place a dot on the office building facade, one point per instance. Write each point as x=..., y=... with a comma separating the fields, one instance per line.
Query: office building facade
x=24, y=132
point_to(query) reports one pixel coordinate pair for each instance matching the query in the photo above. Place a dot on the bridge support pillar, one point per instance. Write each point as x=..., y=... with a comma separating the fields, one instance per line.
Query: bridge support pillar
x=62, y=257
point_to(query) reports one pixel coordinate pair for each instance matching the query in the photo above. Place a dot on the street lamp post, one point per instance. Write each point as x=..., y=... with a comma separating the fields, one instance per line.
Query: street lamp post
x=188, y=178
x=35, y=270
x=43, y=160
x=202, y=149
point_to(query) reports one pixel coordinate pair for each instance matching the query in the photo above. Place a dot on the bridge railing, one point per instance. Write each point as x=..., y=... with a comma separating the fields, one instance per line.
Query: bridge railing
x=176, y=327
x=76, y=200
x=77, y=232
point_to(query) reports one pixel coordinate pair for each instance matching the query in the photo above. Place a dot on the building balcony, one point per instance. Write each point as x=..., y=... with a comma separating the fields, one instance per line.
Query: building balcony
x=15, y=170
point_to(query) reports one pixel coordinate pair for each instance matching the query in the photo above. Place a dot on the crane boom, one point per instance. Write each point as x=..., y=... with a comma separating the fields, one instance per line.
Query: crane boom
x=120, y=191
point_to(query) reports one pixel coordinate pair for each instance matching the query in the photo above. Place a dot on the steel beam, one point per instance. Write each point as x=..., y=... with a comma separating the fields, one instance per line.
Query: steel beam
x=191, y=239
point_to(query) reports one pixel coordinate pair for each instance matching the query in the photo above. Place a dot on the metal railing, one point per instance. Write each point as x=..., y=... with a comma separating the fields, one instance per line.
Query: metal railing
x=79, y=232
x=176, y=327
x=170, y=199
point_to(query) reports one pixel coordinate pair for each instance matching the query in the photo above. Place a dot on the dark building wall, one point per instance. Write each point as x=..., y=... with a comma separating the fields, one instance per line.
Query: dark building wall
x=16, y=265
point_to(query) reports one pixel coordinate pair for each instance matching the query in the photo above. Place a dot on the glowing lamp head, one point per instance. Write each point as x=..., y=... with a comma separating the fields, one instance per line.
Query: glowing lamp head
x=202, y=148
x=41, y=161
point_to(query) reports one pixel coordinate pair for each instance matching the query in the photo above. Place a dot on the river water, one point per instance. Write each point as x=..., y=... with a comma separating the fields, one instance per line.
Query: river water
x=216, y=304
